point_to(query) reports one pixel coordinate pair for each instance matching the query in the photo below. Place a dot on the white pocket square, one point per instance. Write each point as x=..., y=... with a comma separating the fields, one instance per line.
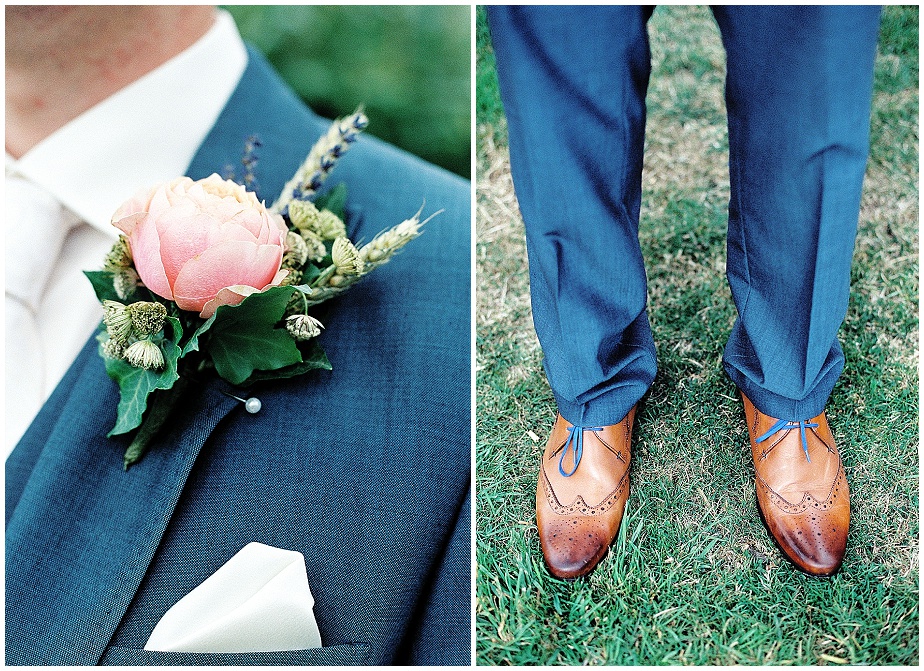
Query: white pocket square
x=259, y=601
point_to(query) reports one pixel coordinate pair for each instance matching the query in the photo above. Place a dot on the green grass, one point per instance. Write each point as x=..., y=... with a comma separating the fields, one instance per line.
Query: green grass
x=409, y=65
x=488, y=108
x=694, y=577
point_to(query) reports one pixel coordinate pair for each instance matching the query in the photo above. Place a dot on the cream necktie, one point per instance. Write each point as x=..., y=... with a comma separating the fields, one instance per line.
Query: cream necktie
x=36, y=227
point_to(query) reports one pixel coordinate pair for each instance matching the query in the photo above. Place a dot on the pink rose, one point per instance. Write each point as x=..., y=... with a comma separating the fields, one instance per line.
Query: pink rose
x=203, y=244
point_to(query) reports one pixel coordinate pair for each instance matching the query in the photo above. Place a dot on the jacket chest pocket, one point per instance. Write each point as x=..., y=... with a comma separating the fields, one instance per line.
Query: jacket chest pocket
x=348, y=654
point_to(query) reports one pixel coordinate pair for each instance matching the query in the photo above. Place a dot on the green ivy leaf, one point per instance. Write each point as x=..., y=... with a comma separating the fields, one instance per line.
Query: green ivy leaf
x=105, y=291
x=102, y=285
x=193, y=344
x=313, y=357
x=310, y=273
x=136, y=384
x=244, y=337
x=334, y=200
x=161, y=406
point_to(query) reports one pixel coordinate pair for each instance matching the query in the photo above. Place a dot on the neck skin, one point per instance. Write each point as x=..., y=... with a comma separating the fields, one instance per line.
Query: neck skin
x=61, y=61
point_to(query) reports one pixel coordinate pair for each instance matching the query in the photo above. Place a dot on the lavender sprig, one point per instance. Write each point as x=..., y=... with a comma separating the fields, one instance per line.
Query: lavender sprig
x=321, y=160
x=249, y=161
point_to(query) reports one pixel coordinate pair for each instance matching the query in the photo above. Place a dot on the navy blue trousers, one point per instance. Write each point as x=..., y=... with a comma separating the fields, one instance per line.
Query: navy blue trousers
x=798, y=92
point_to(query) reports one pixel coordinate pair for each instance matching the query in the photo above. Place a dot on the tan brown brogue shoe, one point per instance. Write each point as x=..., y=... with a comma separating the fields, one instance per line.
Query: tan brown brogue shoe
x=582, y=492
x=801, y=488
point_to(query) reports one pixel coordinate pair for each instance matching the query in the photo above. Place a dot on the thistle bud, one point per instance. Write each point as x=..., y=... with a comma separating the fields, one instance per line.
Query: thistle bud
x=329, y=226
x=118, y=322
x=112, y=349
x=294, y=278
x=303, y=327
x=346, y=257
x=314, y=244
x=303, y=214
x=145, y=354
x=119, y=257
x=125, y=281
x=147, y=318
x=296, y=251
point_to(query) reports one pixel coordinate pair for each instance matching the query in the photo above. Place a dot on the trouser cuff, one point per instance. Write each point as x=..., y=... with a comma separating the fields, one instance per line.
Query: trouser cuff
x=608, y=408
x=781, y=407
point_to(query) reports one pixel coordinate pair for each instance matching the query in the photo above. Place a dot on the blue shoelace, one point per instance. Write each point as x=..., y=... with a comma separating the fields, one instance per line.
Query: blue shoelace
x=787, y=425
x=575, y=442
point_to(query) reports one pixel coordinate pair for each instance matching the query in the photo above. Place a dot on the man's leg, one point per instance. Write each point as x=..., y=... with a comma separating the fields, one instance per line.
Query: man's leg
x=798, y=92
x=573, y=83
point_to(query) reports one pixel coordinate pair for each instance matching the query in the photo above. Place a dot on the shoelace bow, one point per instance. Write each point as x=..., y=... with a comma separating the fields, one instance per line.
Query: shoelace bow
x=575, y=442
x=787, y=425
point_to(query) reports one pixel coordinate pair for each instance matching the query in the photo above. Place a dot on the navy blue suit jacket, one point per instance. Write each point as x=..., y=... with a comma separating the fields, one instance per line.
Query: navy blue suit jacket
x=365, y=469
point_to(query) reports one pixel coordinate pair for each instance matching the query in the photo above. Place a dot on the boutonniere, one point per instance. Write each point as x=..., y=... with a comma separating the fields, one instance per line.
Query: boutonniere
x=206, y=279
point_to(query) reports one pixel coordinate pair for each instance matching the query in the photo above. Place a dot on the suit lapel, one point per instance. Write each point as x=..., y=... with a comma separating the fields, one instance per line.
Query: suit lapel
x=83, y=532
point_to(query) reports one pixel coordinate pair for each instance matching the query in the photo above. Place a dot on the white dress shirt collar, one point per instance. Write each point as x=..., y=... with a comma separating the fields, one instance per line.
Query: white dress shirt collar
x=146, y=133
